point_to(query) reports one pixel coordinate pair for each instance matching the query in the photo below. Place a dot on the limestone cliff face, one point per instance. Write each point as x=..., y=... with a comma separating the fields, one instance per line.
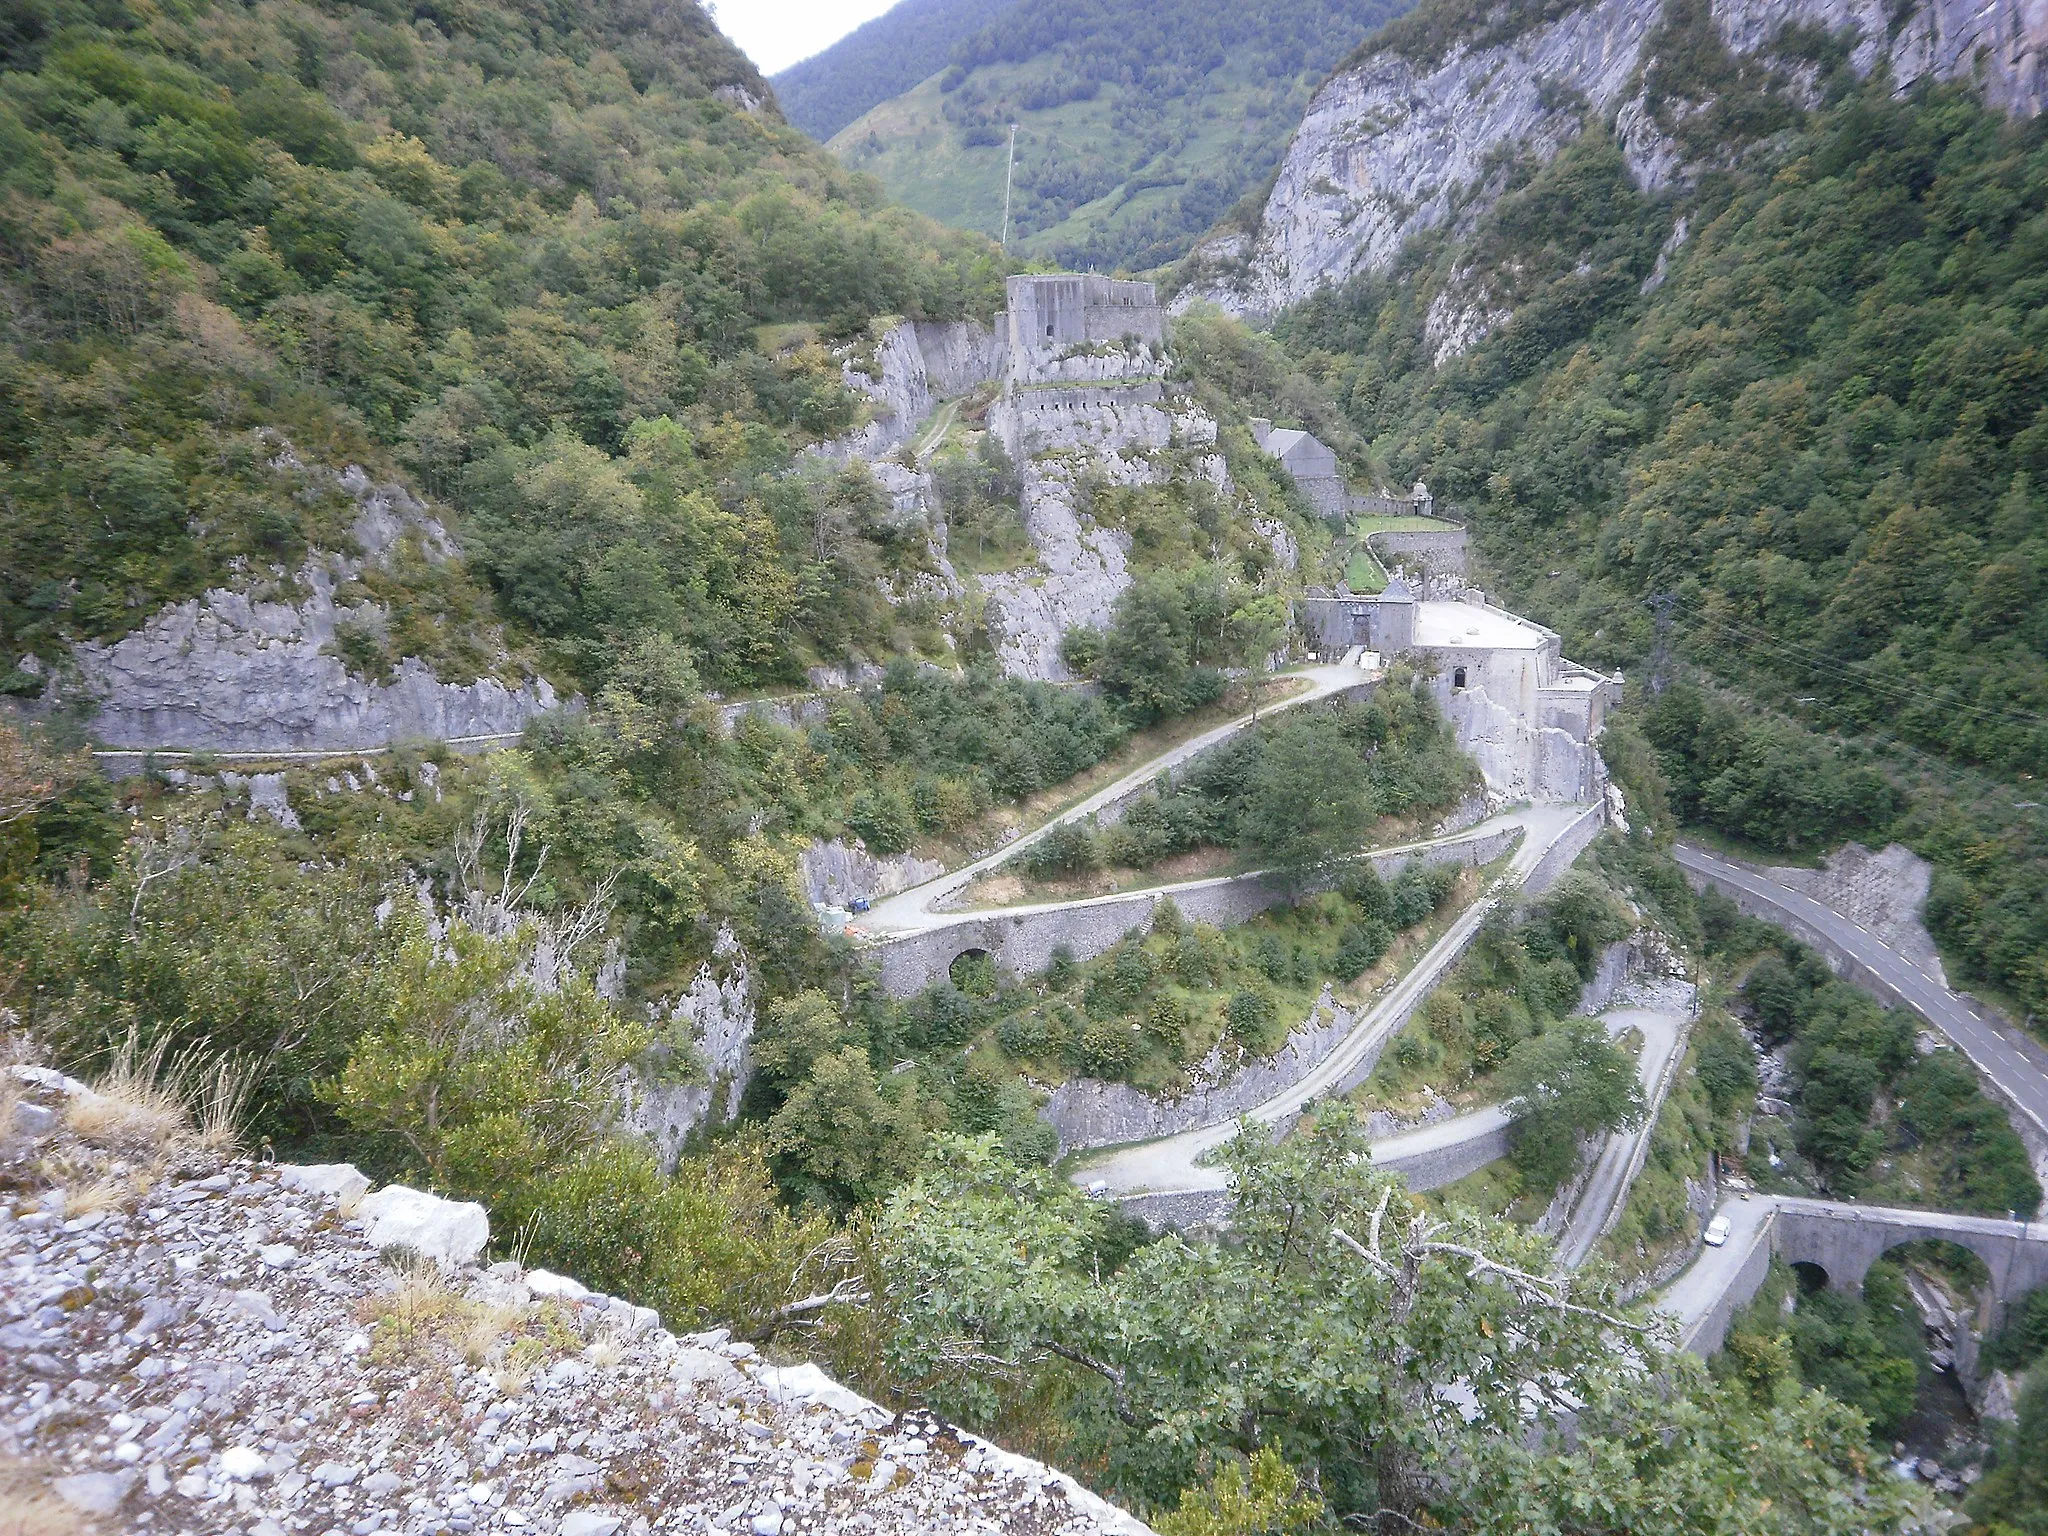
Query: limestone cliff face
x=236, y=672
x=716, y=1017
x=1394, y=147
x=1085, y=398
x=915, y=365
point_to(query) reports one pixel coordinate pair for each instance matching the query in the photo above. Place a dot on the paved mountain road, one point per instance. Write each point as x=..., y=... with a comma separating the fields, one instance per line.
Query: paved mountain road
x=1620, y=1158
x=1171, y=1164
x=912, y=911
x=2016, y=1063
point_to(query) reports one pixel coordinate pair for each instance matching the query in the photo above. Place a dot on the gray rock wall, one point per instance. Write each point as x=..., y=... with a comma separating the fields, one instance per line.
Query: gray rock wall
x=915, y=365
x=836, y=873
x=1437, y=554
x=1432, y=1169
x=236, y=672
x=1392, y=148
x=716, y=1016
x=1088, y=1112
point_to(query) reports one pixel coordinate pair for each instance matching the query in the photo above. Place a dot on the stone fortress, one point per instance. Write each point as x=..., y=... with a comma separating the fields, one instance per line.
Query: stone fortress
x=1084, y=365
x=1529, y=717
x=1080, y=366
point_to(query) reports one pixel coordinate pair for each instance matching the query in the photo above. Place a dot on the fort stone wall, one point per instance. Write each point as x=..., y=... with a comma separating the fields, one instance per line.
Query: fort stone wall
x=1434, y=553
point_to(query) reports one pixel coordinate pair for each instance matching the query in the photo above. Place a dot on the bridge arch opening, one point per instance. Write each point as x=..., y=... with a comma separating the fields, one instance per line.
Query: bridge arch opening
x=973, y=971
x=1810, y=1276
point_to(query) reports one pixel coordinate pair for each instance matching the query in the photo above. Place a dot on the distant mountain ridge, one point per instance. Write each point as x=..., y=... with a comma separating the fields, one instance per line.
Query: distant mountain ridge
x=877, y=60
x=1139, y=124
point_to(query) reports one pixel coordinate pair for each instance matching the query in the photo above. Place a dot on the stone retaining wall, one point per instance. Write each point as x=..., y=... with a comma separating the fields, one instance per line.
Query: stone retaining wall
x=1564, y=853
x=1023, y=941
x=1432, y=1169
x=1707, y=1335
x=1088, y=1112
x=1437, y=553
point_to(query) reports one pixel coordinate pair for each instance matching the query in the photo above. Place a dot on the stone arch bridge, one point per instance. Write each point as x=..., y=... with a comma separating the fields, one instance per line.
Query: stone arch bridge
x=1843, y=1241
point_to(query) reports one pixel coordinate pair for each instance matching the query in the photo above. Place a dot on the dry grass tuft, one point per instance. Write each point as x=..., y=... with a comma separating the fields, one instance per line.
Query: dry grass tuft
x=12, y=1093
x=605, y=1351
x=484, y=1327
x=135, y=1107
x=28, y=1508
x=103, y=1194
x=220, y=1098
x=153, y=1105
x=522, y=1360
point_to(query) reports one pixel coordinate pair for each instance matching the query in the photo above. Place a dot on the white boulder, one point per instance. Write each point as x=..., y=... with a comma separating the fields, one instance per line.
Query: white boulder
x=344, y=1181
x=450, y=1231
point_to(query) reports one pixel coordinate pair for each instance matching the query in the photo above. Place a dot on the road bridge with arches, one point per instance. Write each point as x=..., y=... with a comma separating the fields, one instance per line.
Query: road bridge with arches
x=1842, y=1241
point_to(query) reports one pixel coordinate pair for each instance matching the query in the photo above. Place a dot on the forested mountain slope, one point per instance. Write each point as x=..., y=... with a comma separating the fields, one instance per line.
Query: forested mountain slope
x=1762, y=409
x=524, y=259
x=1139, y=124
x=879, y=59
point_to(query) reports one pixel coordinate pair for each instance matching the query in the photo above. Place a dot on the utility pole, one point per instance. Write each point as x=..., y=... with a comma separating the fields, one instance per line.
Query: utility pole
x=1009, y=175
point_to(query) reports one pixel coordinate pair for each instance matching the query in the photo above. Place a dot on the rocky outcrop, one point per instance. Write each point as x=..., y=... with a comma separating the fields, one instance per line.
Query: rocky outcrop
x=1087, y=1112
x=915, y=365
x=1081, y=569
x=246, y=1348
x=234, y=671
x=714, y=1019
x=1084, y=399
x=1886, y=892
x=1393, y=146
x=1999, y=43
x=837, y=872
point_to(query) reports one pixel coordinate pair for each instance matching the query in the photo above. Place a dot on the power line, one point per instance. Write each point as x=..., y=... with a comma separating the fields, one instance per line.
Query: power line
x=1816, y=660
x=1964, y=779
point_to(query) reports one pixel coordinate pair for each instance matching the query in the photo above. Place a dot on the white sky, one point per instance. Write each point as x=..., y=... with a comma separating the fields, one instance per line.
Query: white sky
x=777, y=33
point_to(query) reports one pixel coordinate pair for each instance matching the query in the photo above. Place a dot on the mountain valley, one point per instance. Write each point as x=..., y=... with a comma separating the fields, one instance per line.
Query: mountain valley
x=1301, y=855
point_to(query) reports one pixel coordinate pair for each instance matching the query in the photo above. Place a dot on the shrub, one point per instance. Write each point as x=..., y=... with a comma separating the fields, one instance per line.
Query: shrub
x=1361, y=948
x=1249, y=1016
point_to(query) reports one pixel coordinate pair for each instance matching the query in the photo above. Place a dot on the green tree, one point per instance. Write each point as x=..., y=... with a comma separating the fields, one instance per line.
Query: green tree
x=1327, y=1331
x=2013, y=1497
x=1262, y=1496
x=1569, y=1082
x=484, y=1079
x=1307, y=803
x=844, y=1133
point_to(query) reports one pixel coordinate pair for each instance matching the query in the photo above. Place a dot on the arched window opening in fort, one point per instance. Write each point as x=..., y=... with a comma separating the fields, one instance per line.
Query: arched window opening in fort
x=1048, y=330
x=1458, y=678
x=974, y=973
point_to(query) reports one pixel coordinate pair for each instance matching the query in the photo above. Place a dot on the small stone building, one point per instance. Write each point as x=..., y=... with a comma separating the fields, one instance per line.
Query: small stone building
x=1311, y=463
